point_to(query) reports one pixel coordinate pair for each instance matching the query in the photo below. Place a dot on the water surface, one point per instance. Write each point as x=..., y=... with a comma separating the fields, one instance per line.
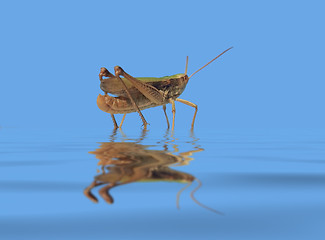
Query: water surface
x=259, y=184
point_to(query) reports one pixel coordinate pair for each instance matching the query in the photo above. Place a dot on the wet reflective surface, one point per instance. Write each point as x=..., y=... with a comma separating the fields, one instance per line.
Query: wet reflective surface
x=262, y=184
x=128, y=162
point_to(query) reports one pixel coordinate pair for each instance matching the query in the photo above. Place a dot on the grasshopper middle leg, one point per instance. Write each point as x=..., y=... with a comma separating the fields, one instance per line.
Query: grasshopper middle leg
x=173, y=111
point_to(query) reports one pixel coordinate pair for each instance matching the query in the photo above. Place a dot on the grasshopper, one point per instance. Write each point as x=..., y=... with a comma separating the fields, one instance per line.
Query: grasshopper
x=136, y=94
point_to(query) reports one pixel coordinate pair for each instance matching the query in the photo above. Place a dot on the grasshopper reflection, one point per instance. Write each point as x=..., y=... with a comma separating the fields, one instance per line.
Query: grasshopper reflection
x=128, y=162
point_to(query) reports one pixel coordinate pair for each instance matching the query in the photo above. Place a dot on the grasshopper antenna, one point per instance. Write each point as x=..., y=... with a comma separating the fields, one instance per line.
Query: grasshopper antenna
x=208, y=62
x=186, y=65
x=200, y=204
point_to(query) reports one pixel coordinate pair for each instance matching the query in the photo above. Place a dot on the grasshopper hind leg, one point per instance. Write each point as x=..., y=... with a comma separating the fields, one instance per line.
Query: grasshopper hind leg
x=119, y=71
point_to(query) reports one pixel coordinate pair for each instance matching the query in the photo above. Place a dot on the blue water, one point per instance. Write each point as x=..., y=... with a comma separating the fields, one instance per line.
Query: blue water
x=266, y=184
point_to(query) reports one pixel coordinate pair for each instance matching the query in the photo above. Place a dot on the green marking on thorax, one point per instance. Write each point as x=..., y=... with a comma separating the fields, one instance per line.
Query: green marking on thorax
x=155, y=79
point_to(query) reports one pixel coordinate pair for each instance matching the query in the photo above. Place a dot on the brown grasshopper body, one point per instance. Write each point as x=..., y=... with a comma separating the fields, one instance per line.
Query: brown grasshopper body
x=170, y=88
x=136, y=94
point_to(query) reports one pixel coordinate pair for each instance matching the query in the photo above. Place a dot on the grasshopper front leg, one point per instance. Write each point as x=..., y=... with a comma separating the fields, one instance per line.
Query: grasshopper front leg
x=188, y=103
x=174, y=110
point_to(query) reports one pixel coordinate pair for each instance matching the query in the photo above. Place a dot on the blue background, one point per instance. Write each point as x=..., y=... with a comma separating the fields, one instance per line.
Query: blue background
x=260, y=121
x=51, y=53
